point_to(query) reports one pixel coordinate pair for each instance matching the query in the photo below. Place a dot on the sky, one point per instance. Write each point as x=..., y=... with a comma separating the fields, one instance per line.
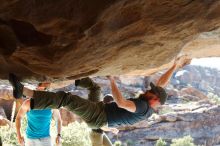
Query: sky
x=213, y=62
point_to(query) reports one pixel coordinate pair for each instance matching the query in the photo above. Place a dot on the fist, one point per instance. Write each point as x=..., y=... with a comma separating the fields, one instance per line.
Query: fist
x=182, y=61
x=21, y=140
x=58, y=140
x=115, y=131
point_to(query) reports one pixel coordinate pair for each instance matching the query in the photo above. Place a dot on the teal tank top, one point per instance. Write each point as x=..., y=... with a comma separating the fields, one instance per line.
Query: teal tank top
x=38, y=123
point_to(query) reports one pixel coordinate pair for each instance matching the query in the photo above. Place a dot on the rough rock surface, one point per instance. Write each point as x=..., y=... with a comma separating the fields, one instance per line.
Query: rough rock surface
x=6, y=93
x=73, y=38
x=6, y=106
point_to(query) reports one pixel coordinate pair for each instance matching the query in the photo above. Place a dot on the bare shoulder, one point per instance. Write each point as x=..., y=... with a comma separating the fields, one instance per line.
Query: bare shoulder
x=25, y=107
x=55, y=111
x=26, y=104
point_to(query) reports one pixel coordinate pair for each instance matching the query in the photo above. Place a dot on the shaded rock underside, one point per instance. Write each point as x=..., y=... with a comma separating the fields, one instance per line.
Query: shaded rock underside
x=69, y=39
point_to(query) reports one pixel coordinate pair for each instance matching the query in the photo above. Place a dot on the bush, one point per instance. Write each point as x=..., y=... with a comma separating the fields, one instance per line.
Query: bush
x=75, y=134
x=8, y=136
x=185, y=141
x=213, y=98
x=161, y=142
x=117, y=143
x=130, y=142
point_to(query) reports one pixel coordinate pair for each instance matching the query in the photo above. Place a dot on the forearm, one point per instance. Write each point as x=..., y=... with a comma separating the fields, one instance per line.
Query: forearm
x=120, y=100
x=165, y=78
x=116, y=93
x=58, y=120
x=178, y=63
x=18, y=126
x=59, y=126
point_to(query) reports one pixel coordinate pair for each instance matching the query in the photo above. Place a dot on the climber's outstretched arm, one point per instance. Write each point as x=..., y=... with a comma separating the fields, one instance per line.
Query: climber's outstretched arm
x=119, y=99
x=178, y=63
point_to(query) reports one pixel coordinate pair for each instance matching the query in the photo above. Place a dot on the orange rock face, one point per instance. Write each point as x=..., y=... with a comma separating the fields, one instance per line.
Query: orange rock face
x=69, y=39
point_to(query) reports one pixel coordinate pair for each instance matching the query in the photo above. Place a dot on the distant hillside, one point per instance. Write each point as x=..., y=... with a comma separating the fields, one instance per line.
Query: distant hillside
x=202, y=78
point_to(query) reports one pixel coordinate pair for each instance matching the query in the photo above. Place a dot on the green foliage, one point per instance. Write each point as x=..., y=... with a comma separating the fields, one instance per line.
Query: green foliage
x=213, y=98
x=130, y=142
x=75, y=134
x=161, y=142
x=8, y=135
x=185, y=141
x=118, y=143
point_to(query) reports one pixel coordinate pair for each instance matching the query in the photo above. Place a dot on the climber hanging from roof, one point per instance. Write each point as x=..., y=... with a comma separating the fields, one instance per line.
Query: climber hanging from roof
x=97, y=114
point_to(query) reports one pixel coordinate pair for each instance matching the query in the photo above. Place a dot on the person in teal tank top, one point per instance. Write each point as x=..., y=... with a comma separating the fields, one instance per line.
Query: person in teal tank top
x=38, y=124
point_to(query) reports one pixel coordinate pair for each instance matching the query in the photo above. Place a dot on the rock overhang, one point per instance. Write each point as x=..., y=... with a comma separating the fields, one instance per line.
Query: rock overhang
x=63, y=40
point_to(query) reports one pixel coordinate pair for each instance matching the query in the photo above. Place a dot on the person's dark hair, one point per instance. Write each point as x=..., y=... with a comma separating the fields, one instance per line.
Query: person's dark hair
x=146, y=98
x=108, y=98
x=40, y=84
x=44, y=84
x=158, y=91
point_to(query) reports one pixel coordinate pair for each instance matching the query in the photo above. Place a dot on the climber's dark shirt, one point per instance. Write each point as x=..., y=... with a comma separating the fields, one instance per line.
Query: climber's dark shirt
x=118, y=116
